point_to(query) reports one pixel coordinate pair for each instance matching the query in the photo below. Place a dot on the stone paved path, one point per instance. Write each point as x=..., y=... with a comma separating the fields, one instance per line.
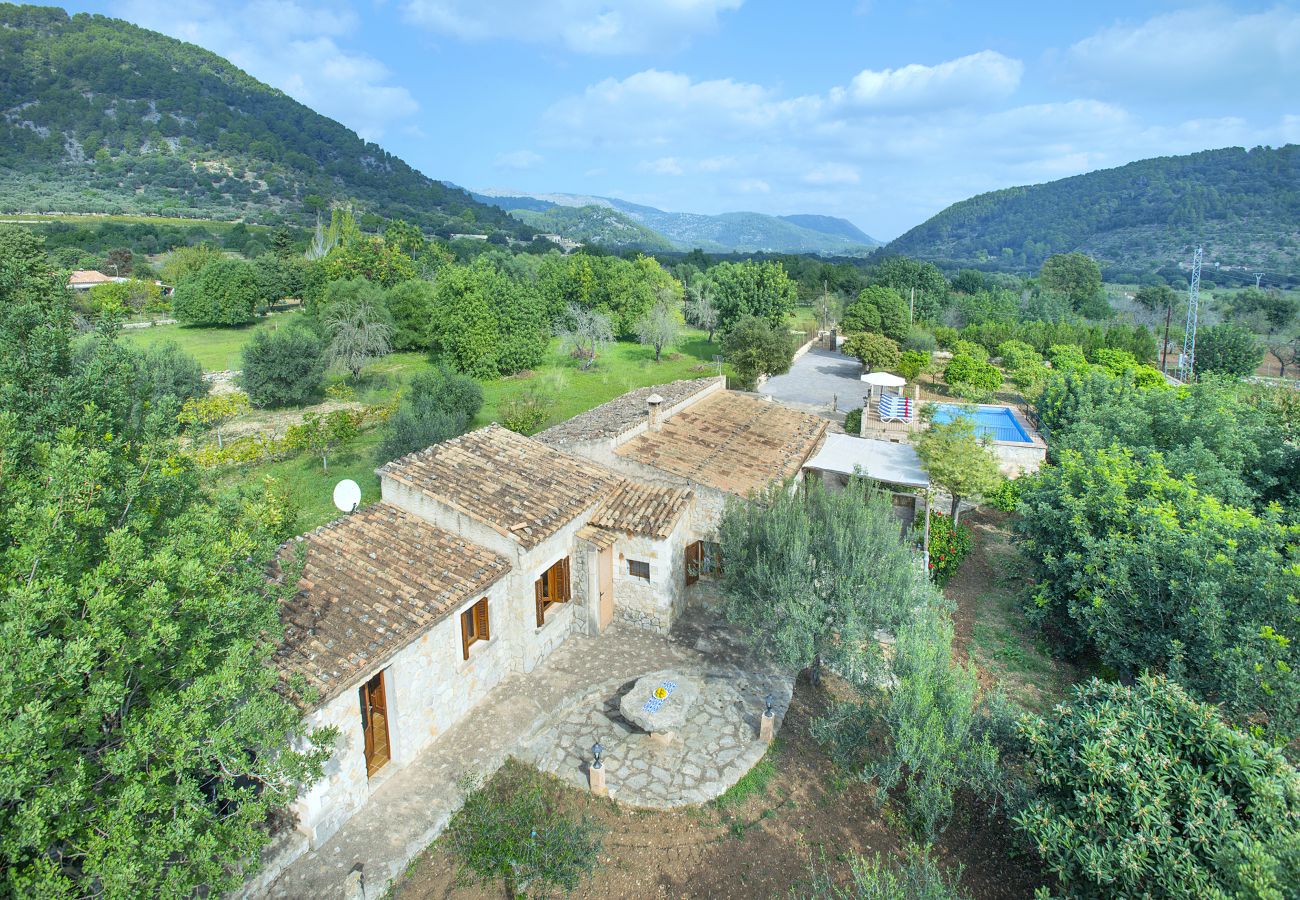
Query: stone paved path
x=547, y=715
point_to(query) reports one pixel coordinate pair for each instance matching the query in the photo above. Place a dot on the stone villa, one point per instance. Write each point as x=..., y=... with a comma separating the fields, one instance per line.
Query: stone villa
x=487, y=551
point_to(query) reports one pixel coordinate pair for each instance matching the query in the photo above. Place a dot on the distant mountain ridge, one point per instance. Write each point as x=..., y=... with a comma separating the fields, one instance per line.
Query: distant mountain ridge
x=724, y=233
x=1242, y=206
x=100, y=116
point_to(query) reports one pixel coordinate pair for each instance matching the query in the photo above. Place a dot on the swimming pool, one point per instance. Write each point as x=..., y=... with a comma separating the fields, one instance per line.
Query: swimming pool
x=997, y=422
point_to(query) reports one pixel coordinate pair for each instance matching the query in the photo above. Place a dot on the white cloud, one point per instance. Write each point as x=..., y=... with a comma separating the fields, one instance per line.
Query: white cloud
x=664, y=165
x=602, y=27
x=294, y=46
x=1211, y=49
x=518, y=160
x=651, y=107
x=959, y=135
x=832, y=173
x=979, y=78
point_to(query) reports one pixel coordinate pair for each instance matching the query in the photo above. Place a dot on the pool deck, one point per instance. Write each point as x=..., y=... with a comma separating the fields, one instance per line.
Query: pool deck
x=1014, y=457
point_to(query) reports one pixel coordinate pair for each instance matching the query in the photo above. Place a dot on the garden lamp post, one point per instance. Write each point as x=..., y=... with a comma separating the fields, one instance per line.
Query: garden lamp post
x=596, y=771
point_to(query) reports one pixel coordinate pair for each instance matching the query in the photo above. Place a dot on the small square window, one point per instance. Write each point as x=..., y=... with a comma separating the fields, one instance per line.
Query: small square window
x=638, y=569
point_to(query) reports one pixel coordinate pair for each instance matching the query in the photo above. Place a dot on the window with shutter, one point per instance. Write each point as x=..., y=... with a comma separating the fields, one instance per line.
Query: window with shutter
x=552, y=587
x=473, y=626
x=638, y=569
x=693, y=562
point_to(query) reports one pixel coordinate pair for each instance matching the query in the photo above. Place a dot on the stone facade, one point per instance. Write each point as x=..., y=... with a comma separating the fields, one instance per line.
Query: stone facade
x=429, y=686
x=657, y=602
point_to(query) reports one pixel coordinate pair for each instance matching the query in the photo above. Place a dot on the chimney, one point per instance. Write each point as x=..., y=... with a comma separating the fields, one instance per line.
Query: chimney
x=653, y=402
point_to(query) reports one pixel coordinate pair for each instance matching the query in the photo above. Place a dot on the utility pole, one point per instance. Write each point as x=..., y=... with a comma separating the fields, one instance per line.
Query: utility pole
x=911, y=307
x=1258, y=276
x=1164, y=348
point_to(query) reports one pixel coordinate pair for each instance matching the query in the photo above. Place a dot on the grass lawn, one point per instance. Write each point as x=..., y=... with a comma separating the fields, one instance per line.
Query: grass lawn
x=215, y=348
x=621, y=368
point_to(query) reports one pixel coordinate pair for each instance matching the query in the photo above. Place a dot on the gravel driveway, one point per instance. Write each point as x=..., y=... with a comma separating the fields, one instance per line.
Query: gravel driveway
x=816, y=380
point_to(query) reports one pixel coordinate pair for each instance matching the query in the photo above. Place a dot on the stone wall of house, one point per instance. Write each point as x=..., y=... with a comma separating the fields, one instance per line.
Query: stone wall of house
x=534, y=644
x=344, y=788
x=654, y=604
x=429, y=686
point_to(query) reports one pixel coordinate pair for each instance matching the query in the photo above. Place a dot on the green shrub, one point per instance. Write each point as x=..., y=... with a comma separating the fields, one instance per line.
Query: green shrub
x=1066, y=357
x=971, y=349
x=972, y=379
x=912, y=363
x=1117, y=362
x=1006, y=496
x=877, y=352
x=945, y=337
x=1145, y=792
x=223, y=292
x=920, y=340
x=1228, y=350
x=1149, y=377
x=434, y=407
x=1018, y=354
x=170, y=371
x=853, y=421
x=879, y=877
x=948, y=546
x=512, y=830
x=920, y=738
x=527, y=411
x=282, y=367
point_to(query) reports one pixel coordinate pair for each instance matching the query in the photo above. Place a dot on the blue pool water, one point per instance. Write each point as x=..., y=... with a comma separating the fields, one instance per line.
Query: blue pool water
x=997, y=422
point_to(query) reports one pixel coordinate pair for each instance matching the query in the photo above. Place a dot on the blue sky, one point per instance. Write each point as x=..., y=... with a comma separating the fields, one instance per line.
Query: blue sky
x=880, y=112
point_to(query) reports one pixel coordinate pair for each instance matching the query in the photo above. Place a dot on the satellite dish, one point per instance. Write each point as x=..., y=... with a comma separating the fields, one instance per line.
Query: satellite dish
x=347, y=495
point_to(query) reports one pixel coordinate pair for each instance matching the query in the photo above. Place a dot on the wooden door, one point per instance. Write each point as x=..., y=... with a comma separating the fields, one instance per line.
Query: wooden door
x=374, y=723
x=605, y=575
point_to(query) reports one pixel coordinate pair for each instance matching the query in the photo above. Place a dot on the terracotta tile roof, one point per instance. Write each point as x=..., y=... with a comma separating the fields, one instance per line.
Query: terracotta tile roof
x=642, y=509
x=88, y=276
x=373, y=582
x=620, y=414
x=733, y=442
x=597, y=536
x=521, y=488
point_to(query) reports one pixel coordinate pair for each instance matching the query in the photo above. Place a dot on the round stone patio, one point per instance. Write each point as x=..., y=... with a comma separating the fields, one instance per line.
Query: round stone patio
x=716, y=745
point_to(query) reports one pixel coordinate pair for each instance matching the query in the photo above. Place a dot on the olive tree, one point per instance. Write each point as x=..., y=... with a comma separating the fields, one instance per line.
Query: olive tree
x=812, y=574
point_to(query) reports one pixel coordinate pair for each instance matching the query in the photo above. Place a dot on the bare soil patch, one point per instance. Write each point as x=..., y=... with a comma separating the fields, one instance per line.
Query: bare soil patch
x=761, y=845
x=989, y=623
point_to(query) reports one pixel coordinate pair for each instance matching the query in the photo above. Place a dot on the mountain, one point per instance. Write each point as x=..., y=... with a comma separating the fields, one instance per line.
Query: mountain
x=1242, y=206
x=594, y=225
x=743, y=232
x=98, y=115
x=833, y=225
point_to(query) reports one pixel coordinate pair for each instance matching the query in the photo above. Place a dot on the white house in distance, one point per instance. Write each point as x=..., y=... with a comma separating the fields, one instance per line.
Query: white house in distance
x=488, y=550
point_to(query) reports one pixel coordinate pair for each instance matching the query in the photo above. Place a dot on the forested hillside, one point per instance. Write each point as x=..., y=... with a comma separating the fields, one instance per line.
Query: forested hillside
x=736, y=232
x=594, y=225
x=98, y=115
x=1242, y=206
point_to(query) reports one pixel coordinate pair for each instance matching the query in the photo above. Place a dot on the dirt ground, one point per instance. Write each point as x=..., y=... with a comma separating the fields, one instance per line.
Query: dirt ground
x=808, y=813
x=811, y=813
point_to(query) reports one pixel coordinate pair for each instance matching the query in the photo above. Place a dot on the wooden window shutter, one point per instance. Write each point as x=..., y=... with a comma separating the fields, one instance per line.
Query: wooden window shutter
x=466, y=622
x=693, y=560
x=568, y=587
x=541, y=607
x=481, y=619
